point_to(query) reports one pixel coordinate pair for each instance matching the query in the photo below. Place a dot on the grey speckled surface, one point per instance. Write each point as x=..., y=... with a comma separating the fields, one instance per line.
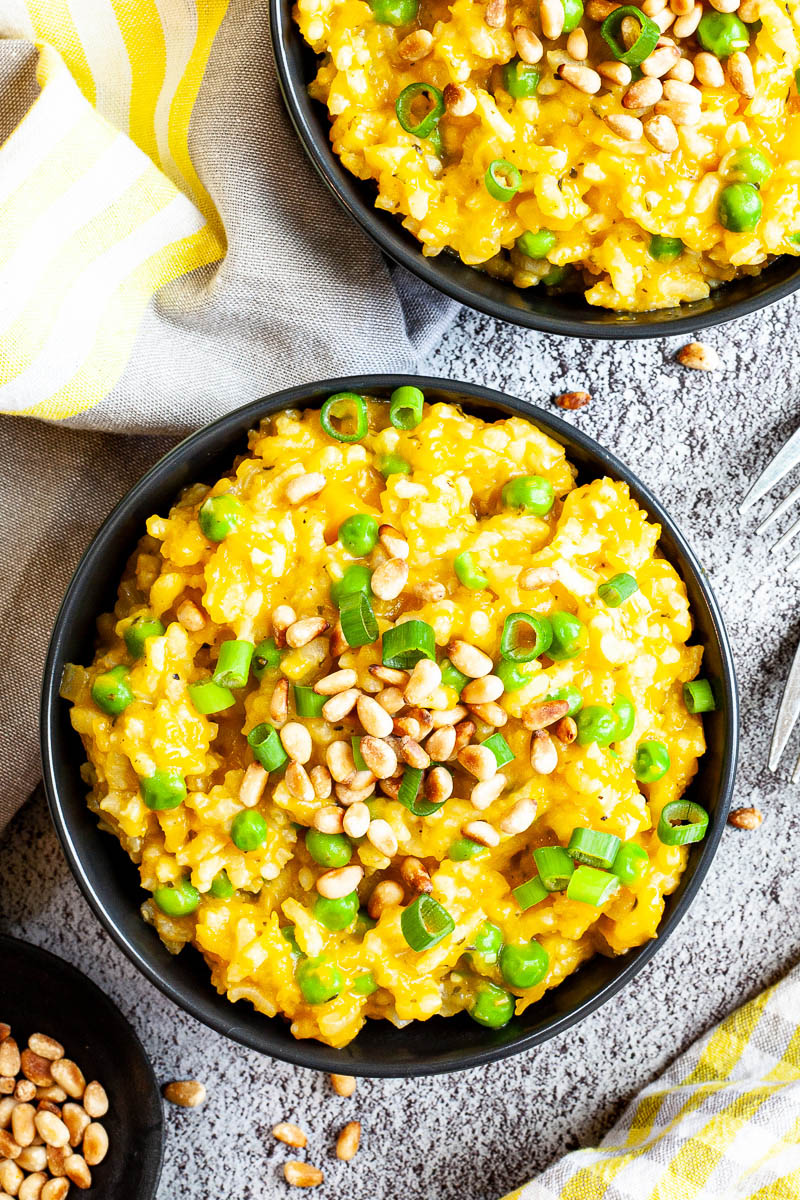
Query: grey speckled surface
x=696, y=440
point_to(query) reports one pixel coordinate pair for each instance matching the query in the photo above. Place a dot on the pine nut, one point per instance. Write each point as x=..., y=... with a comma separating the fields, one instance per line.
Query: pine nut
x=438, y=785
x=423, y=681
x=407, y=727
x=298, y=782
x=628, y=128
x=356, y=820
x=427, y=589
x=415, y=875
x=740, y=73
x=343, y=1085
x=76, y=1119
x=598, y=10
x=566, y=730
x=339, y=706
x=389, y=579
x=620, y=73
x=544, y=756
x=386, y=894
x=683, y=70
x=676, y=89
x=467, y=659
x=630, y=30
x=664, y=19
x=346, y=794
x=685, y=26
x=302, y=632
x=49, y=1106
x=465, y=731
x=749, y=11
x=699, y=357
x=290, y=1135
x=348, y=1141
x=441, y=743
x=24, y=1091
x=379, y=757
x=56, y=1157
x=329, y=819
x=681, y=7
x=547, y=712
x=95, y=1144
x=678, y=112
x=10, y=1175
x=520, y=816
x=527, y=44
x=32, y=1158
x=577, y=44
x=31, y=1188
x=23, y=1127
x=51, y=1092
x=662, y=59
x=190, y=616
x=339, y=681
x=337, y=642
x=424, y=718
x=389, y=676
x=416, y=45
x=661, y=133
x=7, y=1105
x=303, y=487
x=746, y=818
x=393, y=542
x=55, y=1189
x=643, y=94
x=381, y=835
x=413, y=754
x=490, y=714
x=279, y=703
x=252, y=785
x=725, y=6
x=341, y=881
x=441, y=718
x=392, y=699
x=33, y=1066
x=651, y=7
x=551, y=18
x=45, y=1047
x=376, y=720
x=296, y=741
x=482, y=691
x=583, y=79
x=302, y=1174
x=6, y=1085
x=75, y=1169
x=51, y=1129
x=283, y=616
x=9, y=1148
x=708, y=70
x=479, y=761
x=186, y=1093
x=484, y=794
x=321, y=779
x=481, y=832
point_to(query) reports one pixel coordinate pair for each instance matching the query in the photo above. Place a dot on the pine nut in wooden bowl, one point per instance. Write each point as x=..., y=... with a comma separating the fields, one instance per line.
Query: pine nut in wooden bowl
x=331, y=752
x=84, y=1108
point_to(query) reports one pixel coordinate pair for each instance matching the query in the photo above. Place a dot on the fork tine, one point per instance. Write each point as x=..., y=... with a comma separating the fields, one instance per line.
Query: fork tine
x=781, y=465
x=785, y=538
x=787, y=714
x=796, y=772
x=783, y=507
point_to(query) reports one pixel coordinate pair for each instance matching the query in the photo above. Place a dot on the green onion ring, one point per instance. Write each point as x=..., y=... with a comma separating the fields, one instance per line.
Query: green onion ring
x=404, y=102
x=681, y=835
x=529, y=893
x=307, y=702
x=494, y=185
x=644, y=45
x=341, y=405
x=593, y=847
x=410, y=798
x=359, y=625
x=425, y=922
x=267, y=747
x=405, y=644
x=539, y=633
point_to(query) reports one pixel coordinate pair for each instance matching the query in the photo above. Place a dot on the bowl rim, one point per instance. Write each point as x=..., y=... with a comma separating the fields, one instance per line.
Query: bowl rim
x=382, y=229
x=307, y=1052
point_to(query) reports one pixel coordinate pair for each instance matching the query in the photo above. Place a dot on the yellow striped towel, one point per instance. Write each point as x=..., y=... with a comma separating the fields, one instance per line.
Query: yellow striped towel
x=722, y=1123
x=165, y=251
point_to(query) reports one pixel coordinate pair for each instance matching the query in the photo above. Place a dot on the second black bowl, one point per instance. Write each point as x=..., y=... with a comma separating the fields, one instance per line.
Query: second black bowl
x=110, y=881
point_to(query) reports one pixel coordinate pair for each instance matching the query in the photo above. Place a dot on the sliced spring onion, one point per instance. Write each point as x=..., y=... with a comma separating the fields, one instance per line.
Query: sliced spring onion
x=404, y=105
x=698, y=696
x=464, y=848
x=502, y=180
x=406, y=644
x=344, y=407
x=525, y=637
x=233, y=665
x=499, y=748
x=425, y=922
x=359, y=626
x=266, y=657
x=409, y=795
x=617, y=589
x=452, y=677
x=682, y=822
x=644, y=45
x=468, y=571
x=555, y=867
x=590, y=886
x=210, y=697
x=358, y=757
x=405, y=407
x=306, y=701
x=267, y=747
x=530, y=893
x=631, y=862
x=593, y=847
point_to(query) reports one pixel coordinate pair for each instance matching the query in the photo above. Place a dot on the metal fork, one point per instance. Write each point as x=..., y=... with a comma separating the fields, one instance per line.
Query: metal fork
x=780, y=466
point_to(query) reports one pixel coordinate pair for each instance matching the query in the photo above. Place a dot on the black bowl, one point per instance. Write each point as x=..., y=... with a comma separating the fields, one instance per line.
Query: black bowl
x=534, y=308
x=43, y=994
x=110, y=881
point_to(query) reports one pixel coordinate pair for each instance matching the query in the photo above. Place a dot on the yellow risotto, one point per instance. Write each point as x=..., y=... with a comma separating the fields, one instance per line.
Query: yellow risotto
x=390, y=724
x=643, y=155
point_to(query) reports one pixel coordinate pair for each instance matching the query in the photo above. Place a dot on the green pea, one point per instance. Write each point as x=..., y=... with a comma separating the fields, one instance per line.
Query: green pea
x=739, y=208
x=221, y=887
x=665, y=249
x=365, y=985
x=513, y=675
x=651, y=761
x=394, y=12
x=626, y=717
x=538, y=244
x=597, y=723
x=573, y=14
x=359, y=534
x=177, y=901
x=266, y=657
x=722, y=33
x=328, y=849
x=219, y=516
x=468, y=572
x=630, y=863
x=555, y=276
x=139, y=631
x=520, y=80
x=569, y=636
x=463, y=848
x=493, y=1006
x=394, y=464
x=364, y=922
x=248, y=830
x=487, y=941
x=319, y=980
x=336, y=914
x=355, y=579
x=524, y=966
x=163, y=790
x=572, y=696
x=529, y=493
x=750, y=165
x=111, y=691
x=452, y=677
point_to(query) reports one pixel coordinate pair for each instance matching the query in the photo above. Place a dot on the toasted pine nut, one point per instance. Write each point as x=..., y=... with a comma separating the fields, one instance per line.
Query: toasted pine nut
x=379, y=757
x=685, y=26
x=527, y=44
x=23, y=1127
x=651, y=7
x=740, y=73
x=329, y=819
x=676, y=89
x=34, y=1067
x=190, y=617
x=416, y=45
x=347, y=795
x=708, y=70
x=441, y=743
x=55, y=1189
x=537, y=577
x=45, y=1046
x=296, y=741
x=661, y=133
x=338, y=681
x=302, y=1174
x=392, y=699
x=485, y=793
x=745, y=818
x=680, y=113
x=630, y=30
x=9, y=1148
x=583, y=79
x=321, y=779
x=482, y=691
x=298, y=782
x=24, y=1091
x=628, y=128
x=339, y=706
x=56, y=1157
x=76, y=1118
x=479, y=761
x=279, y=703
x=438, y=785
x=393, y=542
x=664, y=19
x=415, y=875
x=32, y=1158
x=51, y=1092
x=683, y=70
x=291, y=1135
x=356, y=820
x=343, y=1085
x=551, y=18
x=749, y=11
x=429, y=589
x=376, y=720
x=520, y=817
x=7, y=1105
x=51, y=1129
x=725, y=6
x=465, y=731
x=303, y=487
x=425, y=720
x=389, y=579
x=413, y=754
x=481, y=832
x=441, y=718
x=386, y=894
x=304, y=631
x=341, y=881
x=31, y=1188
x=252, y=785
x=407, y=727
x=423, y=681
x=490, y=714
x=546, y=712
x=643, y=94
x=283, y=616
x=578, y=44
x=348, y=1141
x=49, y=1106
x=389, y=676
x=681, y=7
x=662, y=59
x=337, y=642
x=76, y=1169
x=186, y=1093
x=382, y=837
x=95, y=1100
x=7, y=1085
x=699, y=357
x=467, y=659
x=544, y=756
x=598, y=10
x=10, y=1174
x=566, y=730
x=95, y=1144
